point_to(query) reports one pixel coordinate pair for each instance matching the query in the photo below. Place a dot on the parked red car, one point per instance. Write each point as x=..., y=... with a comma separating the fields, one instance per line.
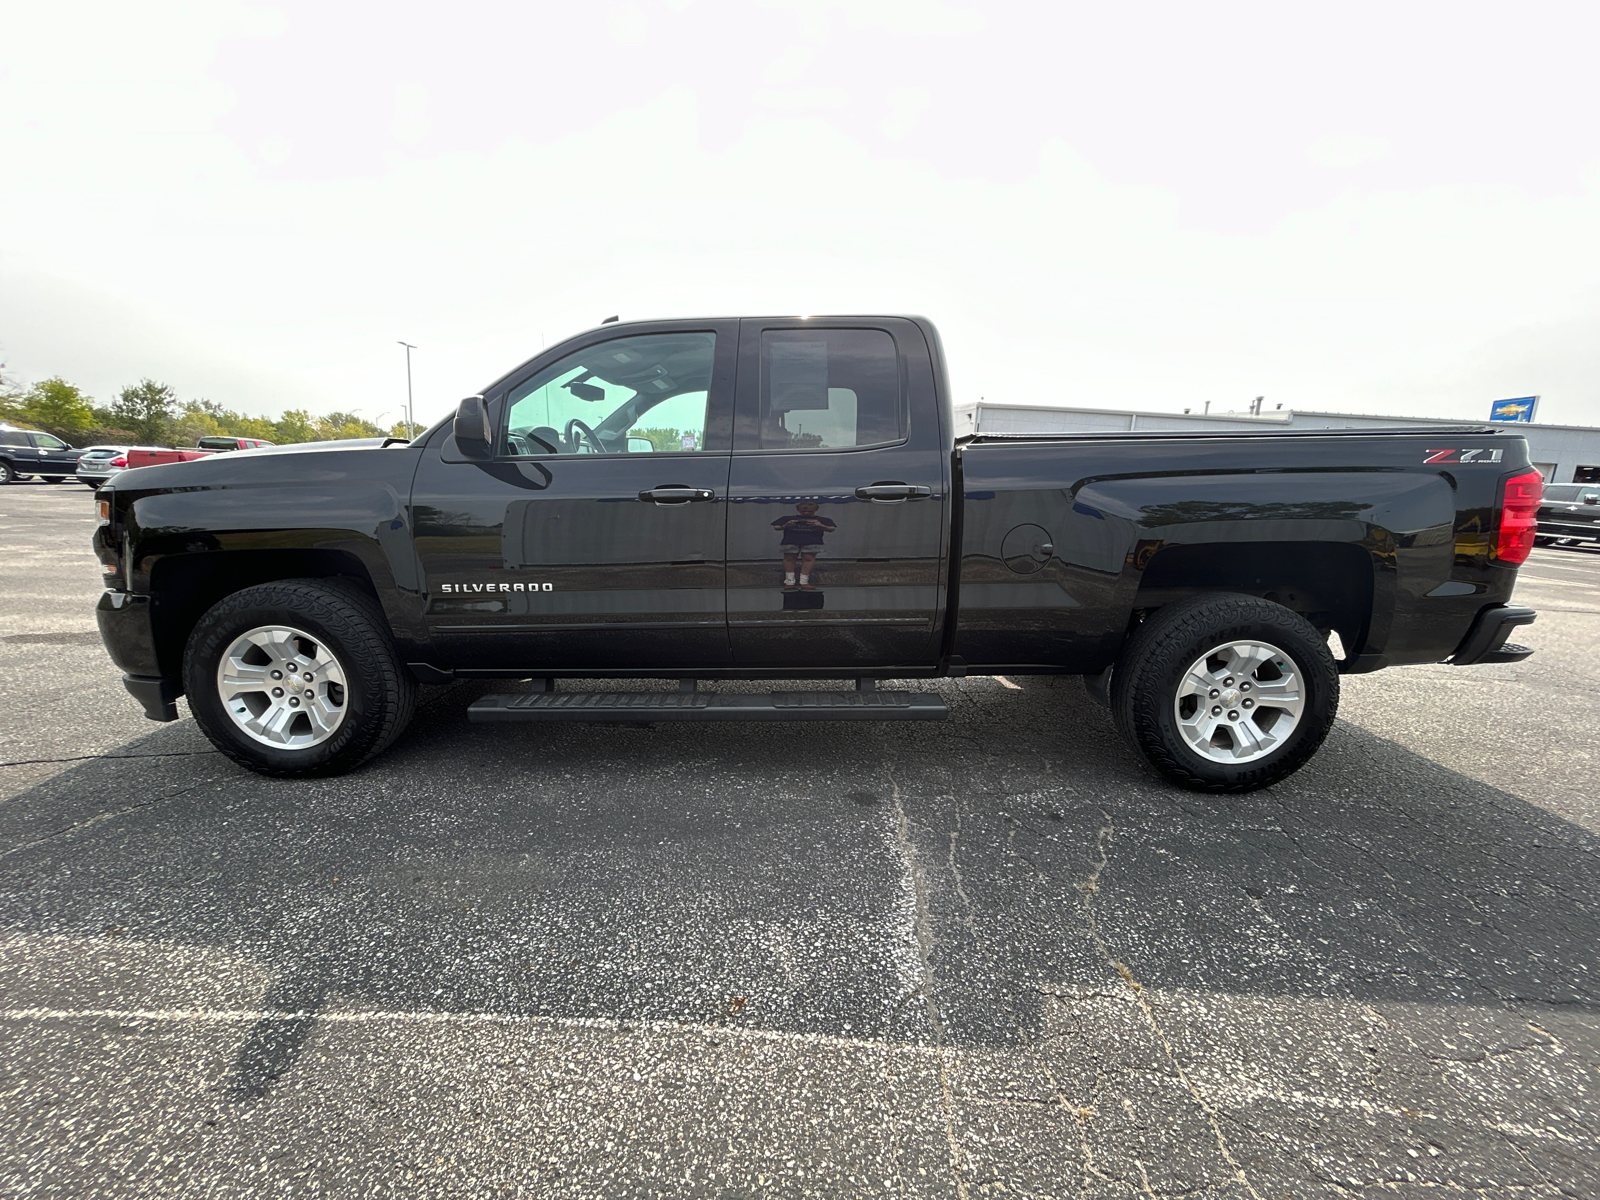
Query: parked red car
x=203, y=448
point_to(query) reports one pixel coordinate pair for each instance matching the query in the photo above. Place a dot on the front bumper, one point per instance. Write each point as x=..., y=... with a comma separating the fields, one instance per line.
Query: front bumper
x=1486, y=640
x=129, y=636
x=157, y=695
x=128, y=631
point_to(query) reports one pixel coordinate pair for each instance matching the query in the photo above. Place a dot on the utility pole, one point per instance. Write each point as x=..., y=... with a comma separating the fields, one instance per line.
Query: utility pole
x=411, y=424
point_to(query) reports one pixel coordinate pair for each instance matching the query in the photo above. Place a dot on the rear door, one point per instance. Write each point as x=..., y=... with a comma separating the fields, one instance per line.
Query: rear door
x=595, y=539
x=837, y=499
x=16, y=449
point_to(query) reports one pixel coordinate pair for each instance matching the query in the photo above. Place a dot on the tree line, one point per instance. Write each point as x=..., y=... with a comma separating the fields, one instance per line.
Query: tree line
x=149, y=413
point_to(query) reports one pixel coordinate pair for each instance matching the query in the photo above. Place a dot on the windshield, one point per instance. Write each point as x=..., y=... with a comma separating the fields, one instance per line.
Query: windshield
x=1568, y=492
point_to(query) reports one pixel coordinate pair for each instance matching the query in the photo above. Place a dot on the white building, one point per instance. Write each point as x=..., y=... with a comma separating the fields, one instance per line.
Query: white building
x=1563, y=453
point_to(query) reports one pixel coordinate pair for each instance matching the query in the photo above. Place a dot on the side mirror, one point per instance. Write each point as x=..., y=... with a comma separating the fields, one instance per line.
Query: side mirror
x=473, y=435
x=639, y=445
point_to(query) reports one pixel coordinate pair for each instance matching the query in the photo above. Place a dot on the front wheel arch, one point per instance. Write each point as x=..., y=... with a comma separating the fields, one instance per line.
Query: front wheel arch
x=185, y=586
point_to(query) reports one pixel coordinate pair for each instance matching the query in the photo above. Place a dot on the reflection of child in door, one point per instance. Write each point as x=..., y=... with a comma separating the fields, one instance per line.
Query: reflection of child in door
x=801, y=533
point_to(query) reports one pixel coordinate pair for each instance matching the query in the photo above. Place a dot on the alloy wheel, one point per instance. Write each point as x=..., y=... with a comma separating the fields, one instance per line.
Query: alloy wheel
x=1239, y=701
x=283, y=687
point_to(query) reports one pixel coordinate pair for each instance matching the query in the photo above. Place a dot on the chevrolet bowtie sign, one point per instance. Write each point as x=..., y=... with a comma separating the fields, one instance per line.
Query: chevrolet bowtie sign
x=1519, y=409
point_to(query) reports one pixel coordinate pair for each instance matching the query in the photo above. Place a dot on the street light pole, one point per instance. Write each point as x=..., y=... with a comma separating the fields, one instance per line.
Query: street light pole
x=411, y=424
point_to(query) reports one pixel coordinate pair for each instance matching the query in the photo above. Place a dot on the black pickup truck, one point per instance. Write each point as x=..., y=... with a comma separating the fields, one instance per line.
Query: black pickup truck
x=784, y=499
x=1569, y=513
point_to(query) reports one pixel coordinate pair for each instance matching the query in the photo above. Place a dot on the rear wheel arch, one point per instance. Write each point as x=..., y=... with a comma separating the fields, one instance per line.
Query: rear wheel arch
x=1331, y=584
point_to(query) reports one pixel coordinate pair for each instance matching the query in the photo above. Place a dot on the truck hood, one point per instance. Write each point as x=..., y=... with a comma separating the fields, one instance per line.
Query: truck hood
x=310, y=447
x=312, y=460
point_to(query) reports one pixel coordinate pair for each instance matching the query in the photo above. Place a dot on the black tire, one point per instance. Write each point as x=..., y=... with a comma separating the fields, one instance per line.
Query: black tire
x=379, y=692
x=8, y=473
x=1152, y=666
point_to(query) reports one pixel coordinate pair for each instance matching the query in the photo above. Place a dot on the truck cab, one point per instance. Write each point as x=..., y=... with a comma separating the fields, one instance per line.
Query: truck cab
x=755, y=493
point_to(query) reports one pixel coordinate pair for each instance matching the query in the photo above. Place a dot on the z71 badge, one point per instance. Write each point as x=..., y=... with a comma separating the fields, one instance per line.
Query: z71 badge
x=1479, y=455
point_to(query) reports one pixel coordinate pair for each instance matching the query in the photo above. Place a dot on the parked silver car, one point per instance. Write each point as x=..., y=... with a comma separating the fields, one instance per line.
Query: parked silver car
x=99, y=463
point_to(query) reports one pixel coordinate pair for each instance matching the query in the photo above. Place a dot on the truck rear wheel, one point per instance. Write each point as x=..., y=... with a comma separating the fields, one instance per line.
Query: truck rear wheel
x=1225, y=693
x=297, y=678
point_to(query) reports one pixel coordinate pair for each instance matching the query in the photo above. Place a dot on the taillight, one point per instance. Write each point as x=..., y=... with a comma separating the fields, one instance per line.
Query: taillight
x=1519, y=517
x=120, y=460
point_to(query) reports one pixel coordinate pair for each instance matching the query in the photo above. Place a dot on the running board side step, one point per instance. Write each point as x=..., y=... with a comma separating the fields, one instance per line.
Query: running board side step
x=709, y=706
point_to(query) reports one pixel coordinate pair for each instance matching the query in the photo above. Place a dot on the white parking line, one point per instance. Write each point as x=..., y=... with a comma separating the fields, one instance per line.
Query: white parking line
x=235, y=1016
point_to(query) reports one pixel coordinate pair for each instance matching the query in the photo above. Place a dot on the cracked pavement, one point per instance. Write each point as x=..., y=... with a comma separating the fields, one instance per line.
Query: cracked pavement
x=989, y=957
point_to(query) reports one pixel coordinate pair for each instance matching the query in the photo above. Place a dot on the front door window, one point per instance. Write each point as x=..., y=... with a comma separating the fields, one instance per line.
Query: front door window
x=635, y=395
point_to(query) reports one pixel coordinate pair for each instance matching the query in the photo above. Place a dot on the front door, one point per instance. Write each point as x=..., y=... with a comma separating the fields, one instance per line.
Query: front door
x=595, y=539
x=837, y=497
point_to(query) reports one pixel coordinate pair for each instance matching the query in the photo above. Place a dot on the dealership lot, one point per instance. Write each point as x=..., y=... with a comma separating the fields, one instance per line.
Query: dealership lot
x=988, y=957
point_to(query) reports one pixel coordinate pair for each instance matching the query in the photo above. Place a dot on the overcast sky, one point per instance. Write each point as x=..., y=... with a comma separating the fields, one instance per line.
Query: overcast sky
x=1363, y=207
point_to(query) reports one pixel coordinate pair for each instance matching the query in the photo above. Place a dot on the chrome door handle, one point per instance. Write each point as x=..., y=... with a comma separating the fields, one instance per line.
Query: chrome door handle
x=893, y=493
x=676, y=493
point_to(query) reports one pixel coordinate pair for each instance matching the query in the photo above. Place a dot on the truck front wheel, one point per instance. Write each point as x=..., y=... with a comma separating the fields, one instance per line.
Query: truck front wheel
x=297, y=678
x=1225, y=693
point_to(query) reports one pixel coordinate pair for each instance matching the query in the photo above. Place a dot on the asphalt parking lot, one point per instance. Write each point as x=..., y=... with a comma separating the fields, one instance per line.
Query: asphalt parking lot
x=988, y=957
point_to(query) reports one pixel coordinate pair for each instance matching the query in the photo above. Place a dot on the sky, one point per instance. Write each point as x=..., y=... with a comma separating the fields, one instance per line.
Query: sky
x=1389, y=208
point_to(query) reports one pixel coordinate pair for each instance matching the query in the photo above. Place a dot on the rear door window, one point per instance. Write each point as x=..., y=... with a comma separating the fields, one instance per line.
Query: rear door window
x=829, y=389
